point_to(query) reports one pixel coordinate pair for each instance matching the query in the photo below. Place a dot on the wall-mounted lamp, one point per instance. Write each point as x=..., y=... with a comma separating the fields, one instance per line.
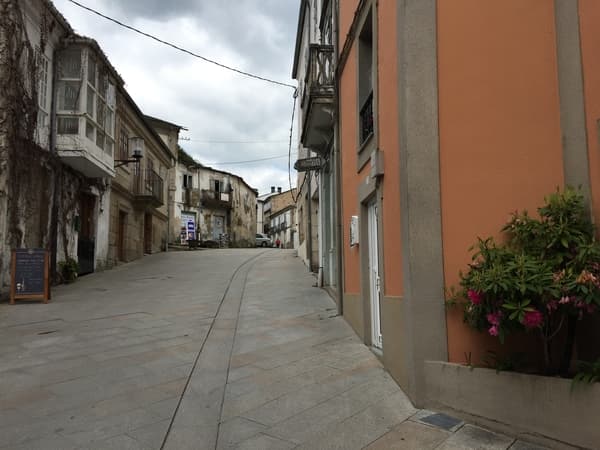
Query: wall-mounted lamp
x=137, y=146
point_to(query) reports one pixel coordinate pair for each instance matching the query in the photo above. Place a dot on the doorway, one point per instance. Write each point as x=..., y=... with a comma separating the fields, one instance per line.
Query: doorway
x=121, y=232
x=219, y=227
x=148, y=233
x=86, y=242
x=374, y=278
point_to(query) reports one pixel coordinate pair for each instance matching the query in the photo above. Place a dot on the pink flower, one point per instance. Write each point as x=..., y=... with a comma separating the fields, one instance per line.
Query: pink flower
x=493, y=330
x=565, y=300
x=533, y=319
x=552, y=306
x=494, y=318
x=474, y=296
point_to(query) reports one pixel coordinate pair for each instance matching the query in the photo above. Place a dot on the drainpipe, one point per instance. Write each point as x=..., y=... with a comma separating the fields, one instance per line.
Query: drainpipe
x=168, y=208
x=320, y=231
x=309, y=223
x=337, y=168
x=57, y=172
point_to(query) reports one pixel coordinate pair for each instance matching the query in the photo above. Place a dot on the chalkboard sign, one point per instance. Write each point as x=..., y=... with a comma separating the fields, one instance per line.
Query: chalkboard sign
x=29, y=275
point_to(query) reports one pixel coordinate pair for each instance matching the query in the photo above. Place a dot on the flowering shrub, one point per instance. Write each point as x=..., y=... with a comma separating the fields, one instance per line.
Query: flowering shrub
x=545, y=278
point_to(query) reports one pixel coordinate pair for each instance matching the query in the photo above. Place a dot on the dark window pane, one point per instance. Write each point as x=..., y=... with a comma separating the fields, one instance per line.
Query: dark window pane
x=68, y=125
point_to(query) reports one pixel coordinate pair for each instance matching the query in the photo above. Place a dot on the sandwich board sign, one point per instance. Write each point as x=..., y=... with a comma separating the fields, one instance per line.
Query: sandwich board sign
x=30, y=275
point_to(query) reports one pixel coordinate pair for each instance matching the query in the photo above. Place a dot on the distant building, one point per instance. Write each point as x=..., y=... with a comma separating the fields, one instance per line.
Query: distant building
x=211, y=205
x=279, y=216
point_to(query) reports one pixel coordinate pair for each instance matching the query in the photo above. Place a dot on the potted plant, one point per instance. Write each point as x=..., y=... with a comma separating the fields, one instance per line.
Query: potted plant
x=543, y=279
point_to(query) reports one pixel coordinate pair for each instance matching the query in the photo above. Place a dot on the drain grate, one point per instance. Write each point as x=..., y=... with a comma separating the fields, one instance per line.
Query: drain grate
x=442, y=421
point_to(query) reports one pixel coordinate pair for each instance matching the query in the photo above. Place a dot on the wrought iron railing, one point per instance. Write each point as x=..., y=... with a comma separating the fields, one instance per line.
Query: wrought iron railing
x=366, y=119
x=147, y=183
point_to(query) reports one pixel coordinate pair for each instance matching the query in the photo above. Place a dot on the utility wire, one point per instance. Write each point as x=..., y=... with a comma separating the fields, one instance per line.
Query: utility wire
x=200, y=141
x=181, y=49
x=248, y=161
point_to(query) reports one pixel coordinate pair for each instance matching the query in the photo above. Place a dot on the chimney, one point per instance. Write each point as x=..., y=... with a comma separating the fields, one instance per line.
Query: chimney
x=272, y=189
x=279, y=190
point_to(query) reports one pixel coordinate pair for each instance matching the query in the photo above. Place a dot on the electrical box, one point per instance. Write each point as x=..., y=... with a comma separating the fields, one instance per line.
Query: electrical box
x=353, y=231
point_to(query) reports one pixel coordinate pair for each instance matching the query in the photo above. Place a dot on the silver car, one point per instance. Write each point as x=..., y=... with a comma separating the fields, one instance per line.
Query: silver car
x=262, y=240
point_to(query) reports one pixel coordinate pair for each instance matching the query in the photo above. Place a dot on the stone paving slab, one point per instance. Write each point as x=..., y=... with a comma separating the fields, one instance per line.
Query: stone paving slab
x=147, y=354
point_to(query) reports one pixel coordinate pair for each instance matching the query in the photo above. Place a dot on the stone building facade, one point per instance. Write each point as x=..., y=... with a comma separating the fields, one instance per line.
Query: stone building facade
x=139, y=200
x=212, y=206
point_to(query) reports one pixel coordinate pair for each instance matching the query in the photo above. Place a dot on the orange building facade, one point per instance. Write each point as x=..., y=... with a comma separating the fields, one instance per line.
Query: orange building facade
x=451, y=115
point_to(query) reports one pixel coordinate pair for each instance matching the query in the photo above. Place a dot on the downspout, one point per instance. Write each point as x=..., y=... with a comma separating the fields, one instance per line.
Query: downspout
x=337, y=166
x=309, y=223
x=57, y=171
x=320, y=231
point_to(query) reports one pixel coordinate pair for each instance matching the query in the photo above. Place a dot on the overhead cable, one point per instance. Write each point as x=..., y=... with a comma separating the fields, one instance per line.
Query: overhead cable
x=181, y=49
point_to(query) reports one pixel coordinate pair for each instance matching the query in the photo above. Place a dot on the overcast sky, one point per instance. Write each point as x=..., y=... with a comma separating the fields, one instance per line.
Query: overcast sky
x=256, y=36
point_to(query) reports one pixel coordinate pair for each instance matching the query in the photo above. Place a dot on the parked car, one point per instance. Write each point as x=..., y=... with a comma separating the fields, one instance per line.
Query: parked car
x=262, y=240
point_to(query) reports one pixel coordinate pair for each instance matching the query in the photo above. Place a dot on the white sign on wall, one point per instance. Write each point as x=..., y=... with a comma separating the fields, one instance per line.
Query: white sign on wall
x=353, y=231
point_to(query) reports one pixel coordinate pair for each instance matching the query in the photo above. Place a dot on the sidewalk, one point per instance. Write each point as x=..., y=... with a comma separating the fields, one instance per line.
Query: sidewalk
x=227, y=349
x=300, y=378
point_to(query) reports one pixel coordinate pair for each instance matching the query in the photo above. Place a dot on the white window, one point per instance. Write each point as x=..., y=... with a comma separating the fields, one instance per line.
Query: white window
x=100, y=105
x=43, y=65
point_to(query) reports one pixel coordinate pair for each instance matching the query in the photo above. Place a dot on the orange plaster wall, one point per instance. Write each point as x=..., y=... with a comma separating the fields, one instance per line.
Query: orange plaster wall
x=346, y=15
x=348, y=120
x=389, y=144
x=500, y=139
x=589, y=14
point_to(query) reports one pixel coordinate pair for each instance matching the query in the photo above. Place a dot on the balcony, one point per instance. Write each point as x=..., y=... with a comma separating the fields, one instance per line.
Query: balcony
x=148, y=189
x=318, y=99
x=81, y=153
x=191, y=197
x=215, y=199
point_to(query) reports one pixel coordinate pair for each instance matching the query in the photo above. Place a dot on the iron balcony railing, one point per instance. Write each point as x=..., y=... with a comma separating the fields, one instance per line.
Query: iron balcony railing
x=147, y=184
x=366, y=119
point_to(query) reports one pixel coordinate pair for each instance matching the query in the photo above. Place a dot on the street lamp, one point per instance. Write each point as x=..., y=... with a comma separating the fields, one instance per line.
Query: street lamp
x=137, y=145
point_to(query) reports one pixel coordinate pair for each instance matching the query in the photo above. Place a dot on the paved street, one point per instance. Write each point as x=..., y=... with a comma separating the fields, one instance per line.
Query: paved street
x=201, y=350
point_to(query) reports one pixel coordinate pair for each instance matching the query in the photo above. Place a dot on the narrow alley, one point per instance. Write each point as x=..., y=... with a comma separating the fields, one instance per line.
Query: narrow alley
x=201, y=350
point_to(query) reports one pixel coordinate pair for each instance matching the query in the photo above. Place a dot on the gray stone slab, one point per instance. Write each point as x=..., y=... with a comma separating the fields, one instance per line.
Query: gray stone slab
x=121, y=442
x=303, y=426
x=470, y=437
x=264, y=442
x=410, y=436
x=363, y=428
x=262, y=392
x=87, y=431
x=522, y=445
x=152, y=435
x=51, y=441
x=236, y=430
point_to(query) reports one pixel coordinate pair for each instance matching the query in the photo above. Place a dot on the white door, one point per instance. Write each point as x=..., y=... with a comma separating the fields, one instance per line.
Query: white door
x=374, y=281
